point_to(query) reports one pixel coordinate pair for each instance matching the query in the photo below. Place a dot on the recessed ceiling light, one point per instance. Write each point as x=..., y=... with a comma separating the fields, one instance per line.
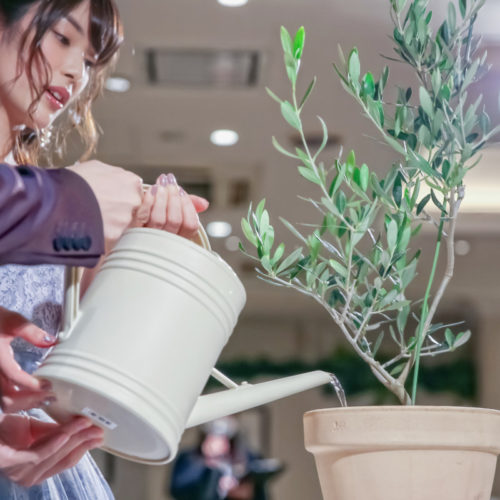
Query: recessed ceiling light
x=462, y=247
x=232, y=3
x=117, y=84
x=224, y=137
x=219, y=229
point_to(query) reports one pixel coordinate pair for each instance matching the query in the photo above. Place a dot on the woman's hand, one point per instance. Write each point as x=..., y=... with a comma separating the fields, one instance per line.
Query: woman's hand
x=167, y=206
x=32, y=451
x=119, y=193
x=20, y=390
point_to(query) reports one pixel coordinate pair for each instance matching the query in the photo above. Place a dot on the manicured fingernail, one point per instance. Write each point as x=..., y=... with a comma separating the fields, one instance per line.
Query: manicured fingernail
x=163, y=180
x=154, y=189
x=50, y=339
x=48, y=401
x=171, y=179
x=45, y=385
x=182, y=192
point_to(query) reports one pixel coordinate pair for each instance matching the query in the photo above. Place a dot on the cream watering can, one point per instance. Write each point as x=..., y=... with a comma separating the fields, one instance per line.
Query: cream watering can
x=135, y=355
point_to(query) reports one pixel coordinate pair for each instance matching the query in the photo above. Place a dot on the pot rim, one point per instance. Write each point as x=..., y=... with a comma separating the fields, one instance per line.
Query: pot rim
x=402, y=408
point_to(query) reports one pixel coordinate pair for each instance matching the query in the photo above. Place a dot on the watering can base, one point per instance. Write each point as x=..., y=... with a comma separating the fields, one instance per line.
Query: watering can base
x=127, y=432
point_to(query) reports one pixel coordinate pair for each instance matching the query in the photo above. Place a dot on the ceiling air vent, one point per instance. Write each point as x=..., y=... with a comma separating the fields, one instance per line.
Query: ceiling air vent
x=203, y=68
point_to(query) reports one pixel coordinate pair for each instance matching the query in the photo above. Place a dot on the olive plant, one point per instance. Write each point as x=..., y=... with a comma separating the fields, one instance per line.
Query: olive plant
x=356, y=261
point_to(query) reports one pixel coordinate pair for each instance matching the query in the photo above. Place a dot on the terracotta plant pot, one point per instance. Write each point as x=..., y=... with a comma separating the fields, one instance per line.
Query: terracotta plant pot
x=410, y=453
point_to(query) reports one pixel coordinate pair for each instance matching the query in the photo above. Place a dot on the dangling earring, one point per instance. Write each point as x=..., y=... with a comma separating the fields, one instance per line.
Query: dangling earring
x=45, y=137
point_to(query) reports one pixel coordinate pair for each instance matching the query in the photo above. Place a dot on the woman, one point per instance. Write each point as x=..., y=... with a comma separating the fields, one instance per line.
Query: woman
x=53, y=58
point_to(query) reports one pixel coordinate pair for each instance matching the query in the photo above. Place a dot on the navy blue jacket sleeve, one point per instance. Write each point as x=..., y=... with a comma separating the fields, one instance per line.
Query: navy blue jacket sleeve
x=48, y=216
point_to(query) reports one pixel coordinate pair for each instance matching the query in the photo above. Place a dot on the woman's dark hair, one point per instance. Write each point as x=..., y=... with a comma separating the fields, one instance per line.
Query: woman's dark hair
x=105, y=37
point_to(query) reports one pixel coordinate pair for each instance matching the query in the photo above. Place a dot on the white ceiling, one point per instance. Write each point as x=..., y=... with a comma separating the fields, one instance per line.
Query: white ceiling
x=134, y=122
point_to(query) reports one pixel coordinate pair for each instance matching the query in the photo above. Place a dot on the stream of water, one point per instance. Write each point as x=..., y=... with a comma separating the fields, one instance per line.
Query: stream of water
x=338, y=389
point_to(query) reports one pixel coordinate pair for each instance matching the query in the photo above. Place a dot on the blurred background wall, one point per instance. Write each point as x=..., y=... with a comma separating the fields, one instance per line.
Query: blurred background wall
x=190, y=67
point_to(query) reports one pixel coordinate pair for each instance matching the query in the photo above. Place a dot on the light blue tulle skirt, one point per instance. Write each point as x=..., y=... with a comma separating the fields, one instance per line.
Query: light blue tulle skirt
x=36, y=292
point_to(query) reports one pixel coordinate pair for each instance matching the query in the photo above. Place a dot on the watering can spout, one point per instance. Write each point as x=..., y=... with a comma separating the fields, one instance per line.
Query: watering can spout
x=246, y=396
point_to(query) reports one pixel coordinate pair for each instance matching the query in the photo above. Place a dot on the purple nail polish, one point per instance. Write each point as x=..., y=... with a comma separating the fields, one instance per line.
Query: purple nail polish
x=49, y=339
x=154, y=190
x=182, y=192
x=171, y=179
x=48, y=401
x=163, y=180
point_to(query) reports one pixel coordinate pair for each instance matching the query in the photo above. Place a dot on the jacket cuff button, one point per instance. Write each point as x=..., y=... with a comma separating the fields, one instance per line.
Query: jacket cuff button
x=57, y=244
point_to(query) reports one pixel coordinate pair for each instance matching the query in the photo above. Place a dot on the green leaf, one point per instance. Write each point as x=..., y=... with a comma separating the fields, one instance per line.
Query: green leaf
x=383, y=79
x=452, y=17
x=290, y=260
x=310, y=175
x=266, y=264
x=368, y=86
x=341, y=202
x=422, y=203
x=354, y=67
x=419, y=162
x=298, y=43
x=364, y=175
x=308, y=92
x=351, y=162
x=286, y=41
x=273, y=95
x=404, y=240
x=438, y=204
x=291, y=66
x=402, y=318
x=436, y=81
x=338, y=267
x=260, y=209
x=461, y=338
x=290, y=115
x=450, y=338
x=426, y=102
x=462, y=4
x=325, y=137
x=408, y=273
x=278, y=253
x=247, y=231
x=378, y=342
x=282, y=150
x=292, y=230
x=397, y=190
x=392, y=235
x=484, y=122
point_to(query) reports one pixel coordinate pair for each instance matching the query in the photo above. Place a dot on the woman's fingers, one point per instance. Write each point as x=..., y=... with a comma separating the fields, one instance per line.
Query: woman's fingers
x=11, y=369
x=200, y=204
x=69, y=454
x=21, y=400
x=72, y=458
x=174, y=220
x=14, y=325
x=159, y=211
x=143, y=213
x=172, y=209
x=190, y=219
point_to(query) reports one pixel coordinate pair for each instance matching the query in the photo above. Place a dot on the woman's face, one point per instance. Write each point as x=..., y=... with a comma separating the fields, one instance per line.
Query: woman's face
x=68, y=51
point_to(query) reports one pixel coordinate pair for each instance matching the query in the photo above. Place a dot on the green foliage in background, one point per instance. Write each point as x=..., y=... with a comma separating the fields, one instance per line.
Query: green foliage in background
x=455, y=377
x=356, y=267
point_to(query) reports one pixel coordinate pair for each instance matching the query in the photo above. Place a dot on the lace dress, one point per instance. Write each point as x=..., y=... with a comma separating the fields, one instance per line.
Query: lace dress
x=36, y=292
